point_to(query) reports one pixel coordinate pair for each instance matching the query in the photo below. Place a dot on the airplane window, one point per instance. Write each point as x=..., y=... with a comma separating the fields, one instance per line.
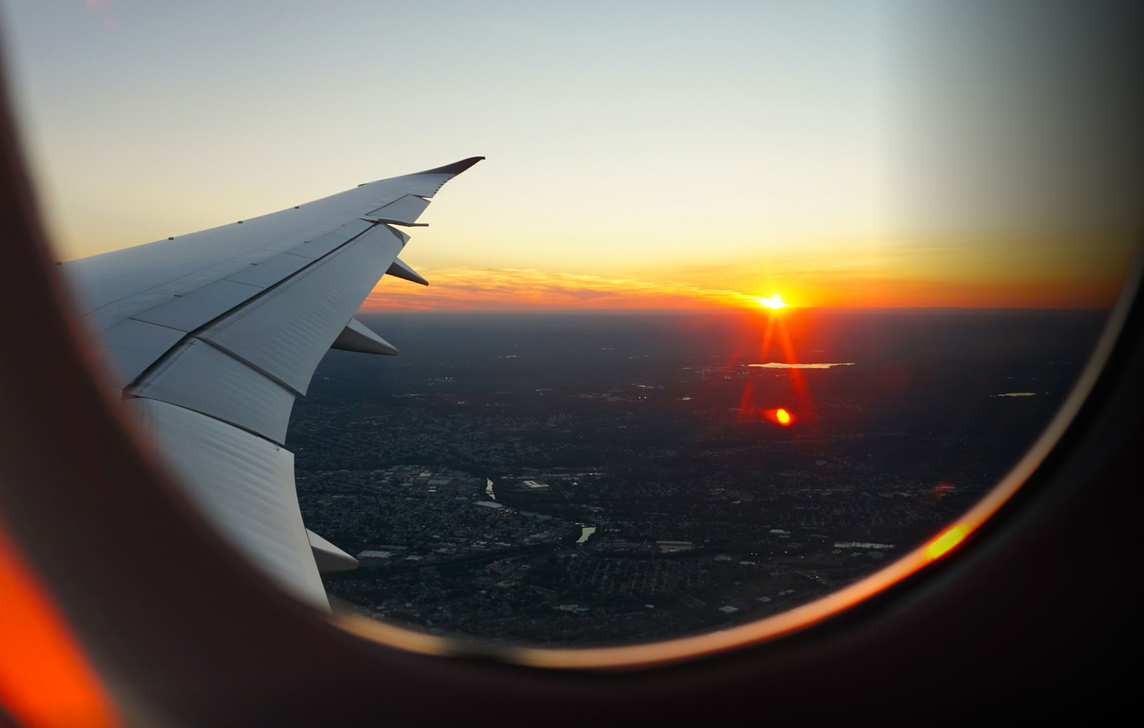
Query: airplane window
x=747, y=316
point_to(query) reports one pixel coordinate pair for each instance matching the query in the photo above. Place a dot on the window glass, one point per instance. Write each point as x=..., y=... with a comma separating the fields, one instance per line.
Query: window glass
x=746, y=304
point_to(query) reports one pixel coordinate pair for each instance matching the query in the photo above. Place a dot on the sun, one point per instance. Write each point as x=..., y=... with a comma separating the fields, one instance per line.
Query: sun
x=775, y=301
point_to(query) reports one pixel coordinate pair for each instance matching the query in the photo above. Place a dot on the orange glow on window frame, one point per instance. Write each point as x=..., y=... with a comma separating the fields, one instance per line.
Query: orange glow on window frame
x=45, y=681
x=946, y=541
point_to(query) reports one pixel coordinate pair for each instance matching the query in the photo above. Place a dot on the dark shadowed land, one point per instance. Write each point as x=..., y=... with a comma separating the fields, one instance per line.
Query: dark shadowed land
x=575, y=479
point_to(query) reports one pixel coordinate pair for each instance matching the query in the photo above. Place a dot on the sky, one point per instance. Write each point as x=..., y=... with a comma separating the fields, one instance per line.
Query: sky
x=639, y=155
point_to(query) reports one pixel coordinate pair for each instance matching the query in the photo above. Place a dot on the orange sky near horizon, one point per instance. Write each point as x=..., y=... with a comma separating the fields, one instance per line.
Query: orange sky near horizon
x=1024, y=273
x=474, y=289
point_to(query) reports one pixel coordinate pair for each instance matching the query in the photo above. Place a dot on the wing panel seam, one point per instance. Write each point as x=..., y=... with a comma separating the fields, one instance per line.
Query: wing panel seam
x=254, y=367
x=262, y=293
x=216, y=418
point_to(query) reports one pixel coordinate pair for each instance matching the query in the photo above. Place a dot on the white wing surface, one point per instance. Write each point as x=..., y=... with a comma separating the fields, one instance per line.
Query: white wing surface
x=211, y=336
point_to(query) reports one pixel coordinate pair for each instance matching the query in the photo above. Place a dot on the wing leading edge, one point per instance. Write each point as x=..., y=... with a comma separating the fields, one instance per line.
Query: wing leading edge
x=211, y=336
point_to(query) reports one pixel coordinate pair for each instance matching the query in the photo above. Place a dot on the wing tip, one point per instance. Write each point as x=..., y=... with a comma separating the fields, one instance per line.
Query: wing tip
x=455, y=167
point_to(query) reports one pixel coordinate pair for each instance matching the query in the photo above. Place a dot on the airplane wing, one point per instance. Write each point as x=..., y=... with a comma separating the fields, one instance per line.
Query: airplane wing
x=211, y=336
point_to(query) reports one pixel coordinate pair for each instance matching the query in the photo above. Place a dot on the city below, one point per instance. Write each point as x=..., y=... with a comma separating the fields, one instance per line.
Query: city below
x=577, y=480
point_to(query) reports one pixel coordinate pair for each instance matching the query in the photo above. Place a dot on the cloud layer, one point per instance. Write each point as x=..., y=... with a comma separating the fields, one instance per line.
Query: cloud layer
x=485, y=289
x=463, y=288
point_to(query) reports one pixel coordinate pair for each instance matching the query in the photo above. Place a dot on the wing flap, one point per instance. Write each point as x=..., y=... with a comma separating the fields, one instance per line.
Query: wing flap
x=199, y=377
x=243, y=485
x=287, y=332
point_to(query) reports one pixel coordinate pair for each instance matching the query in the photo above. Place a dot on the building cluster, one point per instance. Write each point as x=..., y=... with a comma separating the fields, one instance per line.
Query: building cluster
x=624, y=514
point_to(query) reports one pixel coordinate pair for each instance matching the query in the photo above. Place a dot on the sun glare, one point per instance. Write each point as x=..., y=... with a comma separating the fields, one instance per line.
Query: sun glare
x=775, y=302
x=779, y=416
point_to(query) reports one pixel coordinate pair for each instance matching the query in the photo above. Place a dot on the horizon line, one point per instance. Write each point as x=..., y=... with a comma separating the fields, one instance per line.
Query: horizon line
x=721, y=309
